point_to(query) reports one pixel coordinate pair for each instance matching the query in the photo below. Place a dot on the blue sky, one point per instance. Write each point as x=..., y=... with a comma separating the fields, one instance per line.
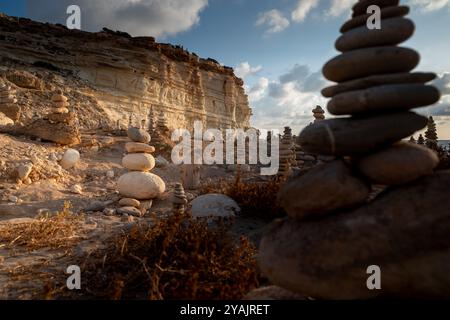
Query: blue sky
x=277, y=46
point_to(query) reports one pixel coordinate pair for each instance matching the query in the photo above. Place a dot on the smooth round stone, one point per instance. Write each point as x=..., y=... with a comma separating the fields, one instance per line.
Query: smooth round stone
x=136, y=147
x=325, y=188
x=388, y=12
x=138, y=135
x=141, y=185
x=378, y=80
x=348, y=136
x=214, y=205
x=60, y=110
x=399, y=164
x=370, y=61
x=128, y=202
x=393, y=31
x=138, y=162
x=70, y=159
x=360, y=8
x=60, y=104
x=395, y=97
x=132, y=211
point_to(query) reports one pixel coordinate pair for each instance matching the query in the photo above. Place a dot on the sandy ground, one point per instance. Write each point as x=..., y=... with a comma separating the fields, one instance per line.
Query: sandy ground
x=52, y=186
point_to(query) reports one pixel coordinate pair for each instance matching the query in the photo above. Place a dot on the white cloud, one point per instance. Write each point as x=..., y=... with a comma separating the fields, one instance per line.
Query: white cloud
x=257, y=92
x=244, y=69
x=157, y=18
x=288, y=100
x=274, y=20
x=340, y=7
x=430, y=5
x=304, y=7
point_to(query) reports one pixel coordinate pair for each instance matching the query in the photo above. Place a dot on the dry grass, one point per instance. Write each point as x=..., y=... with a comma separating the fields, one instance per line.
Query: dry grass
x=174, y=258
x=258, y=199
x=47, y=231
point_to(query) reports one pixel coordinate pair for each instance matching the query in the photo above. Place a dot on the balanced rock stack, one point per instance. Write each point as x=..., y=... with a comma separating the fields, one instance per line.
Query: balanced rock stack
x=179, y=199
x=139, y=183
x=59, y=126
x=287, y=155
x=319, y=114
x=8, y=103
x=319, y=253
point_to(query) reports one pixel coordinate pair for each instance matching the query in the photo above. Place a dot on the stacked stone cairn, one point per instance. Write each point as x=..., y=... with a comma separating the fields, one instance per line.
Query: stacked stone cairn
x=161, y=128
x=319, y=114
x=8, y=103
x=404, y=230
x=287, y=155
x=138, y=185
x=179, y=199
x=59, y=126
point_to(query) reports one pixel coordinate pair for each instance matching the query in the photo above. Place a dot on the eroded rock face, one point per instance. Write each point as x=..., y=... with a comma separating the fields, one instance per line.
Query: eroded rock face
x=404, y=232
x=120, y=75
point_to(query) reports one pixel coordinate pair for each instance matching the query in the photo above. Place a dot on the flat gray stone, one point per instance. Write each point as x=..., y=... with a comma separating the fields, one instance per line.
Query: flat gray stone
x=388, y=12
x=370, y=61
x=393, y=31
x=378, y=80
x=404, y=232
x=394, y=97
x=362, y=135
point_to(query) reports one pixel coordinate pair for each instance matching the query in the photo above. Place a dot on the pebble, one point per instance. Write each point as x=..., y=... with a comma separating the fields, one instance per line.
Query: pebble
x=110, y=174
x=128, y=202
x=370, y=61
x=13, y=199
x=24, y=170
x=349, y=136
x=76, y=189
x=399, y=164
x=70, y=159
x=326, y=188
x=394, y=97
x=393, y=31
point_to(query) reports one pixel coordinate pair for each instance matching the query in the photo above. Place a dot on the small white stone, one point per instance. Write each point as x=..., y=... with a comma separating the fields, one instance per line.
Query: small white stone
x=110, y=174
x=77, y=189
x=70, y=159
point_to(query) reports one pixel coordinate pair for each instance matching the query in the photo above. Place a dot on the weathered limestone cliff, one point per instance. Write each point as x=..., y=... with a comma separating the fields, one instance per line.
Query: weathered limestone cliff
x=112, y=77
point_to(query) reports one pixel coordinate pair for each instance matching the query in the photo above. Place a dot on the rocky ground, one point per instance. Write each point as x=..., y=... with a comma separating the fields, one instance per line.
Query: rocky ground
x=90, y=188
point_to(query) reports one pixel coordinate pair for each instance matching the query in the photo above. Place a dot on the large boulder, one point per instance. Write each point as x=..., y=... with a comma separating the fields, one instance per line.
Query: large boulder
x=141, y=185
x=404, y=232
x=214, y=205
